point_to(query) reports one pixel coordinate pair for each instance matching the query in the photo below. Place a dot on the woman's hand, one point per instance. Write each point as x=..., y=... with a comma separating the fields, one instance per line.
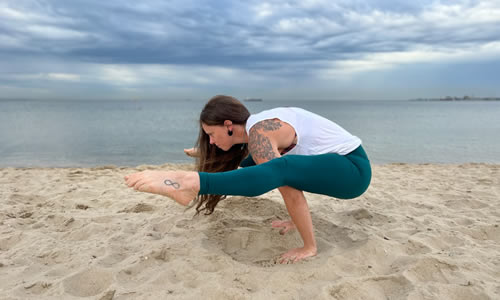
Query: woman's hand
x=284, y=225
x=192, y=152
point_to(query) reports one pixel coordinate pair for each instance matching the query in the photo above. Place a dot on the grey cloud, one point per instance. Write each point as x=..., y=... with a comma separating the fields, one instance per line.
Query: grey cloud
x=279, y=39
x=225, y=33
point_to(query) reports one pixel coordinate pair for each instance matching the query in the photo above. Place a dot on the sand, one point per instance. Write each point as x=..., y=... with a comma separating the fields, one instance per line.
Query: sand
x=419, y=232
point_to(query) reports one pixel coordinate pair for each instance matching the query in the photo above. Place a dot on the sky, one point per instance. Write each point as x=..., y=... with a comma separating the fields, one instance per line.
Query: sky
x=293, y=50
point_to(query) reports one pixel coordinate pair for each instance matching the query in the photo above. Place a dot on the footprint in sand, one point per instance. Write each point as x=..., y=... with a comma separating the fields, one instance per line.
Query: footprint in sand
x=88, y=283
x=244, y=232
x=251, y=242
x=257, y=243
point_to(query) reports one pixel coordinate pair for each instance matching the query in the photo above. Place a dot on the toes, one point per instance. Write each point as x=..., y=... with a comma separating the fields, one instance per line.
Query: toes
x=287, y=261
x=286, y=258
x=132, y=179
x=136, y=178
x=139, y=184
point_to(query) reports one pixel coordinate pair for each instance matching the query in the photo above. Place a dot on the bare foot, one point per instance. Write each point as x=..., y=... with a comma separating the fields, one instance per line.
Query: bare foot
x=284, y=225
x=181, y=186
x=297, y=254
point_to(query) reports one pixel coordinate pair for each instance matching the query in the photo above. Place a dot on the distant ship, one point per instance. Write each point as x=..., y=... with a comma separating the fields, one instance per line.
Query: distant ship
x=252, y=99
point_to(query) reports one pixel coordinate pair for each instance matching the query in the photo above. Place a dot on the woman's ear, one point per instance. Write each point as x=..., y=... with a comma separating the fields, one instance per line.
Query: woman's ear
x=229, y=124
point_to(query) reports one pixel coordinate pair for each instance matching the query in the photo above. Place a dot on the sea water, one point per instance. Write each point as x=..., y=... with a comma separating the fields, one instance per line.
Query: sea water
x=57, y=133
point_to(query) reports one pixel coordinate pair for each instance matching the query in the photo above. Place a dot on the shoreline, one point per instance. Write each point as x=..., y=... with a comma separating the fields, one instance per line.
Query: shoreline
x=421, y=231
x=184, y=166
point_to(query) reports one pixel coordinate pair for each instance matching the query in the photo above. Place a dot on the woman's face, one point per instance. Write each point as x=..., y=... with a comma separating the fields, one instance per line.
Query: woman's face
x=218, y=136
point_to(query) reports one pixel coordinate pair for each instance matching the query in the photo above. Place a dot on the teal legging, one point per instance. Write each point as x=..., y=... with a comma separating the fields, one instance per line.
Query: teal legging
x=340, y=176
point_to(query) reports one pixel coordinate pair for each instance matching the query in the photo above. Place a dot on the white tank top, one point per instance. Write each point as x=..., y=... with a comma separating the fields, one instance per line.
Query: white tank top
x=315, y=134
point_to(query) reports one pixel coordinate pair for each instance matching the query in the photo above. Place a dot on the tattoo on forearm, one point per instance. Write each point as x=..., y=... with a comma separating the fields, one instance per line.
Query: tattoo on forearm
x=174, y=184
x=260, y=146
x=267, y=125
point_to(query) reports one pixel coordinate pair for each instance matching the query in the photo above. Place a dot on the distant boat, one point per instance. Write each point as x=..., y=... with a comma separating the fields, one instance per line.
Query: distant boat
x=252, y=99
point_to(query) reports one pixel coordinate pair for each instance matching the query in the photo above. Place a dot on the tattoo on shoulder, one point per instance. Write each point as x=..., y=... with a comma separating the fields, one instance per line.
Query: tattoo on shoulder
x=260, y=146
x=267, y=125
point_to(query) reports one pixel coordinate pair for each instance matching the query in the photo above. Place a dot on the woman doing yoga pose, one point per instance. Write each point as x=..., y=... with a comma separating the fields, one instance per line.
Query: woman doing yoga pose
x=287, y=148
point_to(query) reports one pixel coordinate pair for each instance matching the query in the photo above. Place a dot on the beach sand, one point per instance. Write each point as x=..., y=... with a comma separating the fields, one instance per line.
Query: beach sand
x=420, y=232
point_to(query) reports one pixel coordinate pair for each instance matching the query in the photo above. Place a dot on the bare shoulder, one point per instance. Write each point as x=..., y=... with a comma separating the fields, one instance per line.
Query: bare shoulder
x=268, y=125
x=267, y=136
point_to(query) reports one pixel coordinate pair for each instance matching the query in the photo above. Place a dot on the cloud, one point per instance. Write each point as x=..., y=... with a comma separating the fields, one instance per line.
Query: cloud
x=53, y=32
x=167, y=75
x=154, y=43
x=386, y=60
x=63, y=76
x=183, y=31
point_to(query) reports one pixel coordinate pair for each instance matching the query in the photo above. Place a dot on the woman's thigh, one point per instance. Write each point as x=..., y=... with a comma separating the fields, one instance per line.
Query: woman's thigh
x=329, y=174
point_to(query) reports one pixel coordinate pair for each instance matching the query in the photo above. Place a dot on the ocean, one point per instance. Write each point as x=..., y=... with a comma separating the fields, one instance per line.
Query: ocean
x=56, y=133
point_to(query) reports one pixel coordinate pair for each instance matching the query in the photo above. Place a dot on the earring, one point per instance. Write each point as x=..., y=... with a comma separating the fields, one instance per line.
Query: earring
x=230, y=132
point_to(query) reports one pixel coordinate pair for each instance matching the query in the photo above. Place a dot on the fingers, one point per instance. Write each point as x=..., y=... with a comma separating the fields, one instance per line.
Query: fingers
x=276, y=223
x=279, y=223
x=190, y=152
x=284, y=225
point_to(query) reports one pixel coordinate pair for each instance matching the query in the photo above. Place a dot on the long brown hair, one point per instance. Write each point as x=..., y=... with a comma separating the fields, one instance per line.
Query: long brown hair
x=211, y=158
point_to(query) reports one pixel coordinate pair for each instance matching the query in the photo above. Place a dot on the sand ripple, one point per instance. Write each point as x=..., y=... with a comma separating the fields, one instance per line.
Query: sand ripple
x=419, y=232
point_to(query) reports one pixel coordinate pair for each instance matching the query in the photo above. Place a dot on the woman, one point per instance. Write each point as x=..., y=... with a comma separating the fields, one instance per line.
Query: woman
x=288, y=148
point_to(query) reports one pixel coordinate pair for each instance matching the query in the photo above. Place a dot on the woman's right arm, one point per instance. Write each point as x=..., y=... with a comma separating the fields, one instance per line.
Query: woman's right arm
x=267, y=137
x=262, y=143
